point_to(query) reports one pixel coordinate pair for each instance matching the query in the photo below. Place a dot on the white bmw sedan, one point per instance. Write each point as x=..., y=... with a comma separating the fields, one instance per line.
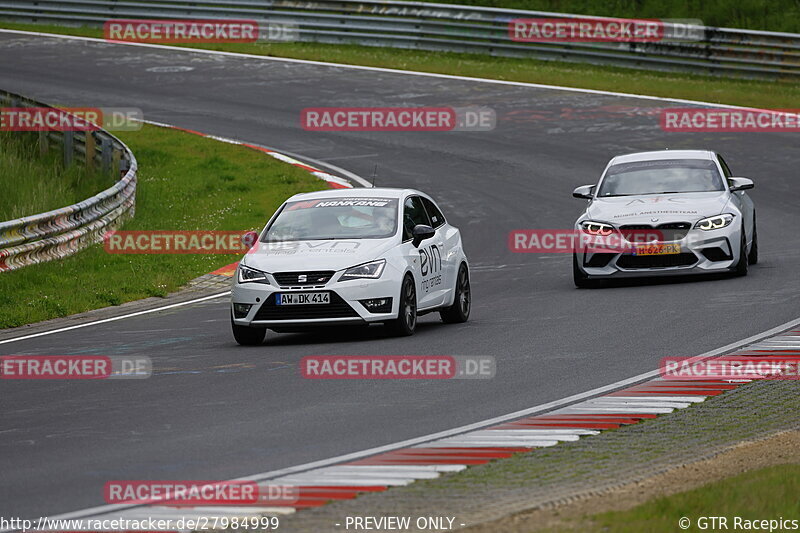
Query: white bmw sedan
x=674, y=212
x=348, y=257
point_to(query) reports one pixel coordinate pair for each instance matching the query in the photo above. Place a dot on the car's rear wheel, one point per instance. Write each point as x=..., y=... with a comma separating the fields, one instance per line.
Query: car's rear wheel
x=406, y=321
x=752, y=257
x=459, y=311
x=741, y=266
x=246, y=335
x=580, y=278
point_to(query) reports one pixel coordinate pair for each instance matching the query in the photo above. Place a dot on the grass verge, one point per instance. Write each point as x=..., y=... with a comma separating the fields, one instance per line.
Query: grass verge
x=33, y=183
x=186, y=182
x=769, y=94
x=767, y=493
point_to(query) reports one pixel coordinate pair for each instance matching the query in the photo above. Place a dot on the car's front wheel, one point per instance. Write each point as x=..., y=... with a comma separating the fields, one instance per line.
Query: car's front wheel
x=752, y=257
x=459, y=311
x=246, y=335
x=406, y=321
x=581, y=280
x=741, y=266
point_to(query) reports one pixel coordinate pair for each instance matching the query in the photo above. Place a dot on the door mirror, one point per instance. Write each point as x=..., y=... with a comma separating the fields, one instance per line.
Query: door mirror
x=249, y=239
x=584, y=191
x=740, y=184
x=422, y=232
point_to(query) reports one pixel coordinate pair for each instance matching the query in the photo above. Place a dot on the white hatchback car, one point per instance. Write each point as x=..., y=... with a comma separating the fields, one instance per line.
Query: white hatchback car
x=354, y=256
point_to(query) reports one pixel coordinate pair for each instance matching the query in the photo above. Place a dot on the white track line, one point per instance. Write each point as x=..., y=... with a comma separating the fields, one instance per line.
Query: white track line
x=115, y=318
x=660, y=397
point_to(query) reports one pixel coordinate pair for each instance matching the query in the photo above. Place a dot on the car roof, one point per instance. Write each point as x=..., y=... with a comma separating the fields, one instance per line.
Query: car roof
x=360, y=192
x=662, y=155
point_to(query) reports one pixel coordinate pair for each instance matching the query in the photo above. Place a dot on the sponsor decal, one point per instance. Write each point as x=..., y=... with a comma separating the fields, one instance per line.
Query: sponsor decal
x=430, y=267
x=292, y=248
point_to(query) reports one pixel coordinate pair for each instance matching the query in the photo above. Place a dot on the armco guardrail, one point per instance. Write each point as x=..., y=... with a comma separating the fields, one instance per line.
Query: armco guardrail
x=61, y=232
x=447, y=27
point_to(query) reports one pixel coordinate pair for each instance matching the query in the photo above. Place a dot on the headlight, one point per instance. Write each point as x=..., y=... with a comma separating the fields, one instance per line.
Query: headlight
x=371, y=270
x=248, y=275
x=717, y=222
x=597, y=228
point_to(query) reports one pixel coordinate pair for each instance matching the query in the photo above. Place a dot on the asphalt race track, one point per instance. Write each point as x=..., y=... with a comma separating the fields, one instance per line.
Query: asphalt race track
x=214, y=410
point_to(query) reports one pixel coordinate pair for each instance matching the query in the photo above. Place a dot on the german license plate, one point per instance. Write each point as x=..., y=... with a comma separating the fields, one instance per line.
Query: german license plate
x=656, y=249
x=302, y=298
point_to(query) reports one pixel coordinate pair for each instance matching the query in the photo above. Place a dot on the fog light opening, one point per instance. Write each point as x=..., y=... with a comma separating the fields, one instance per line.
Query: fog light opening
x=377, y=305
x=241, y=310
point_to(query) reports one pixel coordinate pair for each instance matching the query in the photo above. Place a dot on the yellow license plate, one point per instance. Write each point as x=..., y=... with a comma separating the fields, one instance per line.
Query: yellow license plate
x=656, y=249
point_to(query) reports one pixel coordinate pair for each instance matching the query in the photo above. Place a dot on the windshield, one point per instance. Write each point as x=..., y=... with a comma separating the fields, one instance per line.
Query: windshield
x=334, y=218
x=661, y=177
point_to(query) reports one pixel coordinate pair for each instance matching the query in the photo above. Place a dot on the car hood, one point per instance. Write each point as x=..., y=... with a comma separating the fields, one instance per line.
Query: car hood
x=657, y=209
x=296, y=256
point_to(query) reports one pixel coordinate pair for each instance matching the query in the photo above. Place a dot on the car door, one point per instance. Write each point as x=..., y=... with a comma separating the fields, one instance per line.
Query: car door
x=447, y=241
x=742, y=202
x=426, y=260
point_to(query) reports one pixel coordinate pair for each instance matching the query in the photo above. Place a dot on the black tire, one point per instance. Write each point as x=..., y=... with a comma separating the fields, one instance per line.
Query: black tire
x=459, y=311
x=246, y=335
x=741, y=266
x=580, y=278
x=752, y=257
x=406, y=321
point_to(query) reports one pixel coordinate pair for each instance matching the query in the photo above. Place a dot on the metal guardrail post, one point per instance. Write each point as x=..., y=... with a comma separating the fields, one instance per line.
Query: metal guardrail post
x=90, y=150
x=105, y=154
x=68, y=141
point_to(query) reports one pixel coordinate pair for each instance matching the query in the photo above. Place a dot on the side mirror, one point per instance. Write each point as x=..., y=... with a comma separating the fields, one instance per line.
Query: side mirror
x=422, y=232
x=249, y=239
x=740, y=184
x=584, y=191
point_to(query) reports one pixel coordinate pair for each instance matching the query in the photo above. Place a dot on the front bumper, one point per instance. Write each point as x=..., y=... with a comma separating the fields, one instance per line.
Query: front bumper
x=345, y=307
x=701, y=252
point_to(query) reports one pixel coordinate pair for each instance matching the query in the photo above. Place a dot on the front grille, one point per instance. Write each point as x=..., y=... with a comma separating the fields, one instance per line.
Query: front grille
x=669, y=231
x=312, y=277
x=338, y=308
x=656, y=261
